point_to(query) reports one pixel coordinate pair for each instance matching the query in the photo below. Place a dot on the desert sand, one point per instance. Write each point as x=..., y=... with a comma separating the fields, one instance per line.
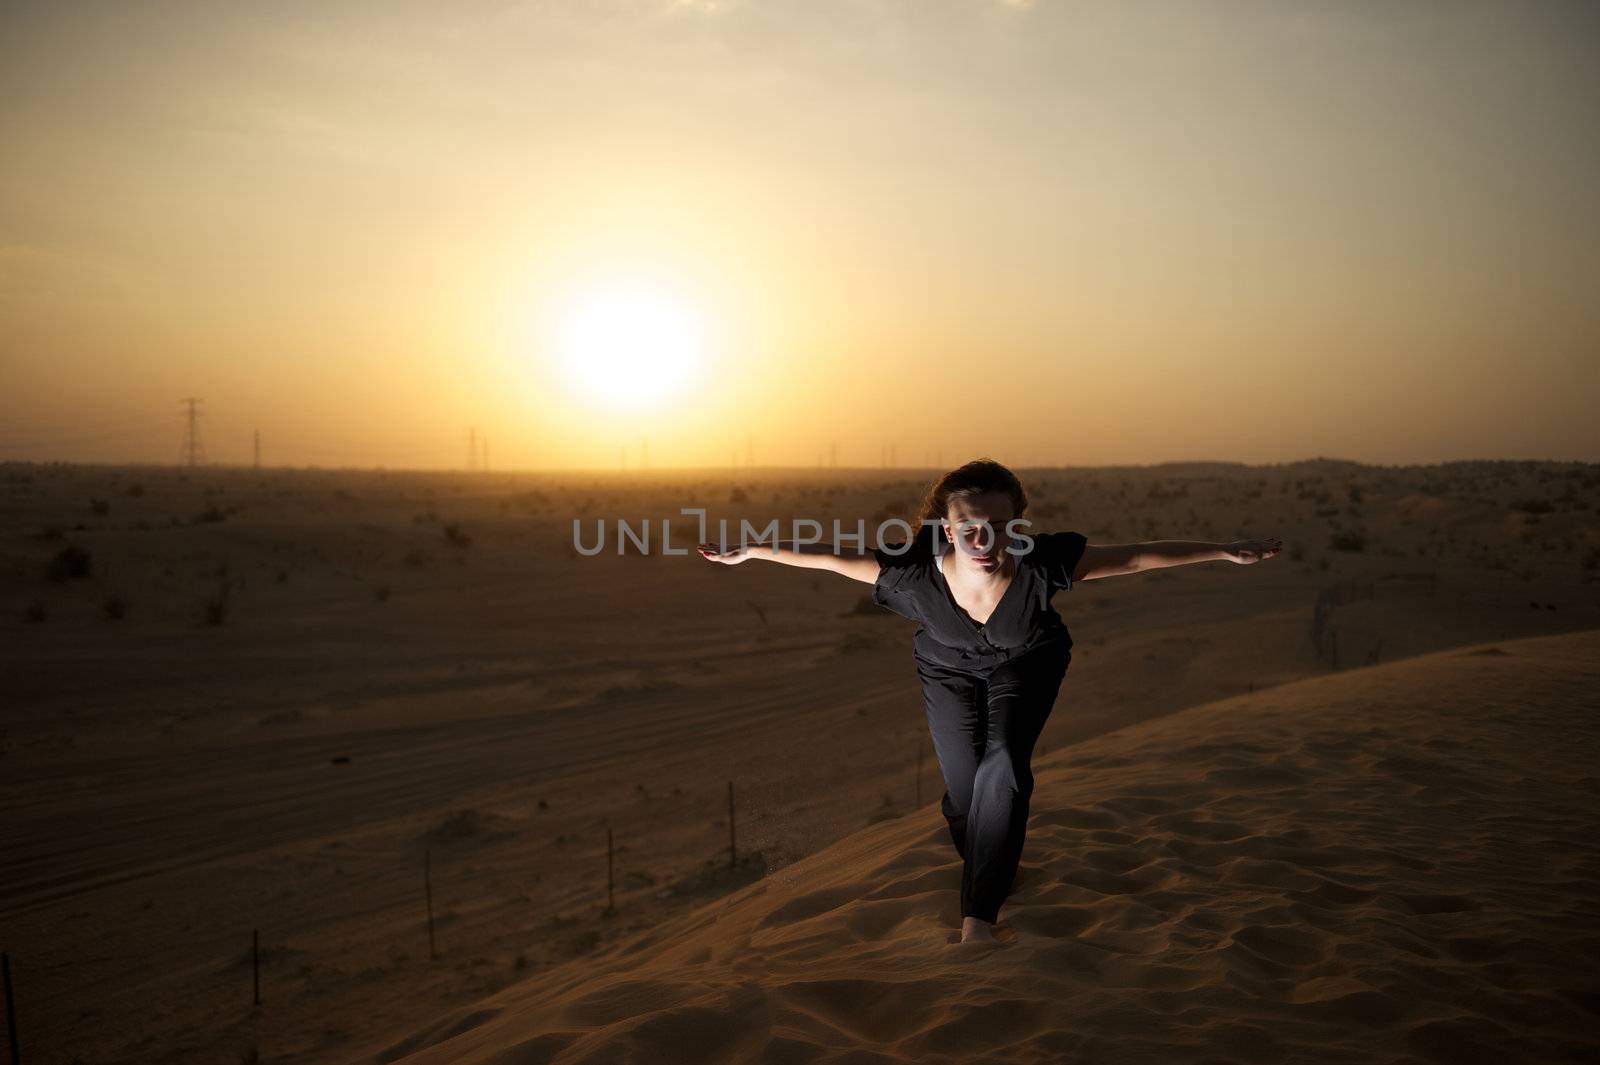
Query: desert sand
x=267, y=700
x=1392, y=865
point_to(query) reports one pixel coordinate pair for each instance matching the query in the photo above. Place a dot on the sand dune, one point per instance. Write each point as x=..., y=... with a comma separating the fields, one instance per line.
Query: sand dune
x=172, y=785
x=1387, y=865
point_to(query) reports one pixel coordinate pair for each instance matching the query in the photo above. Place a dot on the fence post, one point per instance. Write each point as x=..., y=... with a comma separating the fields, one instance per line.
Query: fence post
x=11, y=1010
x=427, y=888
x=255, y=962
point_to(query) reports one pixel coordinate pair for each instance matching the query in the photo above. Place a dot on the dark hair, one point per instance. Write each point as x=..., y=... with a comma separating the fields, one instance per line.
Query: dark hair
x=975, y=478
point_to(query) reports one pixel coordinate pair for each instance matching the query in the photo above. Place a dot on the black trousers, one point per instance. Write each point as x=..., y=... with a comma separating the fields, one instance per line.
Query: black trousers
x=984, y=728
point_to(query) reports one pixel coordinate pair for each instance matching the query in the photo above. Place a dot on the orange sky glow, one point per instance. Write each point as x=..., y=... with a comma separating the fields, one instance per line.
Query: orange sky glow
x=1051, y=232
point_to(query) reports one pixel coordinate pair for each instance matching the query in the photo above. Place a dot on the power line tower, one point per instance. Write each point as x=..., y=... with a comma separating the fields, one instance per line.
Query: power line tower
x=472, y=449
x=191, y=452
x=256, y=441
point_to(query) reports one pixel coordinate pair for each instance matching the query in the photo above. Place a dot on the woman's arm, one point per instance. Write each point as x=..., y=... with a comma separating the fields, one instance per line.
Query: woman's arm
x=1160, y=554
x=1112, y=560
x=856, y=563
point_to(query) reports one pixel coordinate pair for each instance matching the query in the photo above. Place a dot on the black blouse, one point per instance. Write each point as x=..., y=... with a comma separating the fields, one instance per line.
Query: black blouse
x=911, y=583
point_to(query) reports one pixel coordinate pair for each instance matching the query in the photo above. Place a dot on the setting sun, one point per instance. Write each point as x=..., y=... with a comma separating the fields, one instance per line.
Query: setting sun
x=630, y=345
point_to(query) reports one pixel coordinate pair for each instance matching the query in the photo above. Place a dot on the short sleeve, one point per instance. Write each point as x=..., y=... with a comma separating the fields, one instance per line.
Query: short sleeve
x=1059, y=554
x=898, y=568
x=896, y=563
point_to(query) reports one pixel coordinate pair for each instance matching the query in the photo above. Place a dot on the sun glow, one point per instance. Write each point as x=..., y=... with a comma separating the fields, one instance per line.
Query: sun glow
x=630, y=345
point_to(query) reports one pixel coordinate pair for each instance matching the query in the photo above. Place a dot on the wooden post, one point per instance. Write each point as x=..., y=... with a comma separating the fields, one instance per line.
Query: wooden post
x=255, y=962
x=11, y=1010
x=733, y=852
x=427, y=888
x=610, y=898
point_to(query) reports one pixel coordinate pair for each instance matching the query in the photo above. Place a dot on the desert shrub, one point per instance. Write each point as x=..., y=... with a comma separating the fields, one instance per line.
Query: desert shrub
x=854, y=643
x=381, y=593
x=864, y=606
x=99, y=507
x=211, y=513
x=35, y=612
x=1349, y=541
x=214, y=608
x=70, y=563
x=583, y=942
x=457, y=536
x=115, y=607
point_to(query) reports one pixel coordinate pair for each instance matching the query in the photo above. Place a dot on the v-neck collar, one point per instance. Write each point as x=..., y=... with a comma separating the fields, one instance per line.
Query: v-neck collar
x=944, y=583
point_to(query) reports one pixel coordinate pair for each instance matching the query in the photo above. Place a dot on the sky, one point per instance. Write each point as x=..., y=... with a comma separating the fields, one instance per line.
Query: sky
x=854, y=231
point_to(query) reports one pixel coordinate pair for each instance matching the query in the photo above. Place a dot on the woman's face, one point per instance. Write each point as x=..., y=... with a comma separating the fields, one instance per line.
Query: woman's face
x=979, y=548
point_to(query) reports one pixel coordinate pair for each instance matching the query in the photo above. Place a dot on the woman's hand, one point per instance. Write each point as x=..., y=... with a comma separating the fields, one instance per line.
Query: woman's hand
x=1245, y=552
x=731, y=556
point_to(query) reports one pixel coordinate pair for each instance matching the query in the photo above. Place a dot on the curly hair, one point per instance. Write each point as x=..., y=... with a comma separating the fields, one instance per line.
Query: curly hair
x=974, y=478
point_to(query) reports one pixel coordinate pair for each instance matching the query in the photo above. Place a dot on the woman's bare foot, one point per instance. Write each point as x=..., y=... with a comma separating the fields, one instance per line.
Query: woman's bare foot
x=976, y=928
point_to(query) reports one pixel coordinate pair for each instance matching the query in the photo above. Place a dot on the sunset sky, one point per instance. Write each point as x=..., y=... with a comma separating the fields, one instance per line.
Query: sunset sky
x=1050, y=232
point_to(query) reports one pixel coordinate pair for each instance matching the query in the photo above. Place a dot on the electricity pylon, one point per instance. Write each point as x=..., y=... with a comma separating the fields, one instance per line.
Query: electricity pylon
x=191, y=453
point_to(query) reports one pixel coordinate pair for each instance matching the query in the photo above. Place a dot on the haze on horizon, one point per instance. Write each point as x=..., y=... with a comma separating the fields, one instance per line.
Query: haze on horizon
x=1052, y=232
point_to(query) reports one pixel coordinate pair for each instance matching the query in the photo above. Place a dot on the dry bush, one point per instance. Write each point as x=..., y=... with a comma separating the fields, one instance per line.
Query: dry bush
x=70, y=563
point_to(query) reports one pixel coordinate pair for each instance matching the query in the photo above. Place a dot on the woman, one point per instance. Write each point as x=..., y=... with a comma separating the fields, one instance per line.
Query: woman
x=989, y=648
